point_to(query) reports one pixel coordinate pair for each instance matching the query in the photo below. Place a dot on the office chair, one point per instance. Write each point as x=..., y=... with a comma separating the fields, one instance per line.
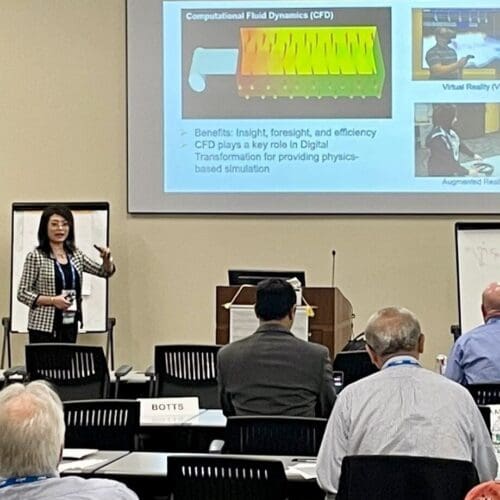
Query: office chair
x=485, y=394
x=14, y=374
x=486, y=414
x=223, y=478
x=354, y=364
x=76, y=371
x=186, y=370
x=105, y=424
x=387, y=477
x=273, y=435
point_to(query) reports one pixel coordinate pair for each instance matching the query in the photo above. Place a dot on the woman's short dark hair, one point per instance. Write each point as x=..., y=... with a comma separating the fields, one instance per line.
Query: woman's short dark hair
x=443, y=115
x=43, y=236
x=275, y=299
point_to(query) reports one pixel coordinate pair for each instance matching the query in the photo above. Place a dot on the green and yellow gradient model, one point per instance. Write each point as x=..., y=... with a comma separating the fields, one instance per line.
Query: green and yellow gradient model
x=310, y=62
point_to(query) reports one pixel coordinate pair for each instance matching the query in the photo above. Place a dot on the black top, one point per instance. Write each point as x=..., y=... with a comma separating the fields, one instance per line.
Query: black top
x=70, y=284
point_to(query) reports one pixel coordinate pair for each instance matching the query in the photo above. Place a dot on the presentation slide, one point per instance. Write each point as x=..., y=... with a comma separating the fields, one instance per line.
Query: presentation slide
x=313, y=106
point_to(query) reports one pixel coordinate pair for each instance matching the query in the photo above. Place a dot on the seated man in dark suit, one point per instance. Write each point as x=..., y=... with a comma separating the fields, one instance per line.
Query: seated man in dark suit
x=31, y=444
x=272, y=372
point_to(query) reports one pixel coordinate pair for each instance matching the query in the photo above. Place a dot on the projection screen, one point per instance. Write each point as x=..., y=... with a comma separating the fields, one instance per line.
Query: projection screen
x=313, y=107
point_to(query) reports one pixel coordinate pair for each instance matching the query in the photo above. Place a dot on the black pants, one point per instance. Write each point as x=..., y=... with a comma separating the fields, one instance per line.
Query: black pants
x=62, y=333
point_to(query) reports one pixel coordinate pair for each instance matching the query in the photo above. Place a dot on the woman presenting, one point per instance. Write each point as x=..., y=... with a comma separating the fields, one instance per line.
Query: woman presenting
x=51, y=282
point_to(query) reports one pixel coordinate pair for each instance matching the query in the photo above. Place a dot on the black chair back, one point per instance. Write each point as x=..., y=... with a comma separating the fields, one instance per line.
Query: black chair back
x=222, y=478
x=187, y=370
x=382, y=477
x=106, y=424
x=485, y=394
x=486, y=414
x=354, y=364
x=76, y=371
x=274, y=435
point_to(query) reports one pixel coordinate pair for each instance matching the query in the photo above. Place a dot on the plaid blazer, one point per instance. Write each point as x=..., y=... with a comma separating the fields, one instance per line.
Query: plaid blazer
x=38, y=278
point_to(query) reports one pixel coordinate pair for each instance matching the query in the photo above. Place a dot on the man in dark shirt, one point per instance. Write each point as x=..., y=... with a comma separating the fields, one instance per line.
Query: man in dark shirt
x=272, y=372
x=443, y=60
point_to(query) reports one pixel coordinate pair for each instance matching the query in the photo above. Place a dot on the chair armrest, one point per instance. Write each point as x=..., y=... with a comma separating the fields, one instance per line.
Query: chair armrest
x=15, y=371
x=119, y=373
x=122, y=370
x=216, y=446
x=150, y=372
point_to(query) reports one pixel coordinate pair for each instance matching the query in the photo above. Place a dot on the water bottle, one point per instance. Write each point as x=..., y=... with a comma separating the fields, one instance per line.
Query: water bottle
x=440, y=365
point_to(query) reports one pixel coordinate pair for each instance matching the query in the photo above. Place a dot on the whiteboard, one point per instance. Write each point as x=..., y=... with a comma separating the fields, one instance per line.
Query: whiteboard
x=478, y=264
x=91, y=227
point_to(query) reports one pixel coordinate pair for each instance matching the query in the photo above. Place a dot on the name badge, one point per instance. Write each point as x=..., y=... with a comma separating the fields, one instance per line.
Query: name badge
x=168, y=411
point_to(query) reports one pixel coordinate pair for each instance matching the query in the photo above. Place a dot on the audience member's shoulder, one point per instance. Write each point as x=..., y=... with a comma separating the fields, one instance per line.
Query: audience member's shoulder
x=448, y=385
x=223, y=351
x=102, y=489
x=72, y=487
x=472, y=334
x=313, y=347
x=233, y=347
x=425, y=376
x=356, y=391
x=363, y=383
x=110, y=489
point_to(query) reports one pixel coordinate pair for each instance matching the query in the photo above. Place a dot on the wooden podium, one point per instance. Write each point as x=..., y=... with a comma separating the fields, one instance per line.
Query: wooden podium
x=330, y=326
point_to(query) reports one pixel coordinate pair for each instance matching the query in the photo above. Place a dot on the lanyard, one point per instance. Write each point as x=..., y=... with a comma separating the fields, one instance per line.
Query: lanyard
x=63, y=277
x=21, y=480
x=399, y=362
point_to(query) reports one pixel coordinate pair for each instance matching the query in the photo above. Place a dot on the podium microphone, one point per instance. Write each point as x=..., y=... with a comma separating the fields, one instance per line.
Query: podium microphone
x=333, y=268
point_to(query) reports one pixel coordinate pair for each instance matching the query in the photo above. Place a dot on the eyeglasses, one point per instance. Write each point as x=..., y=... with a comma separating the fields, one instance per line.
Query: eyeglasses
x=62, y=224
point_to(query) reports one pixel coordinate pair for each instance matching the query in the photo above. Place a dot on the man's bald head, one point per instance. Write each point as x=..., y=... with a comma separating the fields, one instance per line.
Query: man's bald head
x=491, y=301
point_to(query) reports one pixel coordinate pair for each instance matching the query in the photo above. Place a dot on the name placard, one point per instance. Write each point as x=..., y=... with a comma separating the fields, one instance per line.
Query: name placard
x=168, y=411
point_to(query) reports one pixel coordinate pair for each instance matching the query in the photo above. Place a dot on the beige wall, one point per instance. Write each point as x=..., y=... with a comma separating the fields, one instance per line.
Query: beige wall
x=62, y=137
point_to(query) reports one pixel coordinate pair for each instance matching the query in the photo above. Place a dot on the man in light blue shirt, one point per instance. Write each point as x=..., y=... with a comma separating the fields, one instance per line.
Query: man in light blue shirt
x=403, y=409
x=475, y=357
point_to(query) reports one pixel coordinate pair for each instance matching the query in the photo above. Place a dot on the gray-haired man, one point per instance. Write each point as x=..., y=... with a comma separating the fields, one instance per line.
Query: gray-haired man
x=404, y=409
x=31, y=443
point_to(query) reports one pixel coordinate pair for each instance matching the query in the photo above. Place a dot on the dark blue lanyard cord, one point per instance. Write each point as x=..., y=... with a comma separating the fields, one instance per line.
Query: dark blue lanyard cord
x=21, y=480
x=402, y=362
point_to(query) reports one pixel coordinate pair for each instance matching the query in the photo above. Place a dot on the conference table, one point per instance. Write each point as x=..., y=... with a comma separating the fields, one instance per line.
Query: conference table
x=208, y=418
x=203, y=418
x=89, y=462
x=188, y=433
x=155, y=464
x=147, y=472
